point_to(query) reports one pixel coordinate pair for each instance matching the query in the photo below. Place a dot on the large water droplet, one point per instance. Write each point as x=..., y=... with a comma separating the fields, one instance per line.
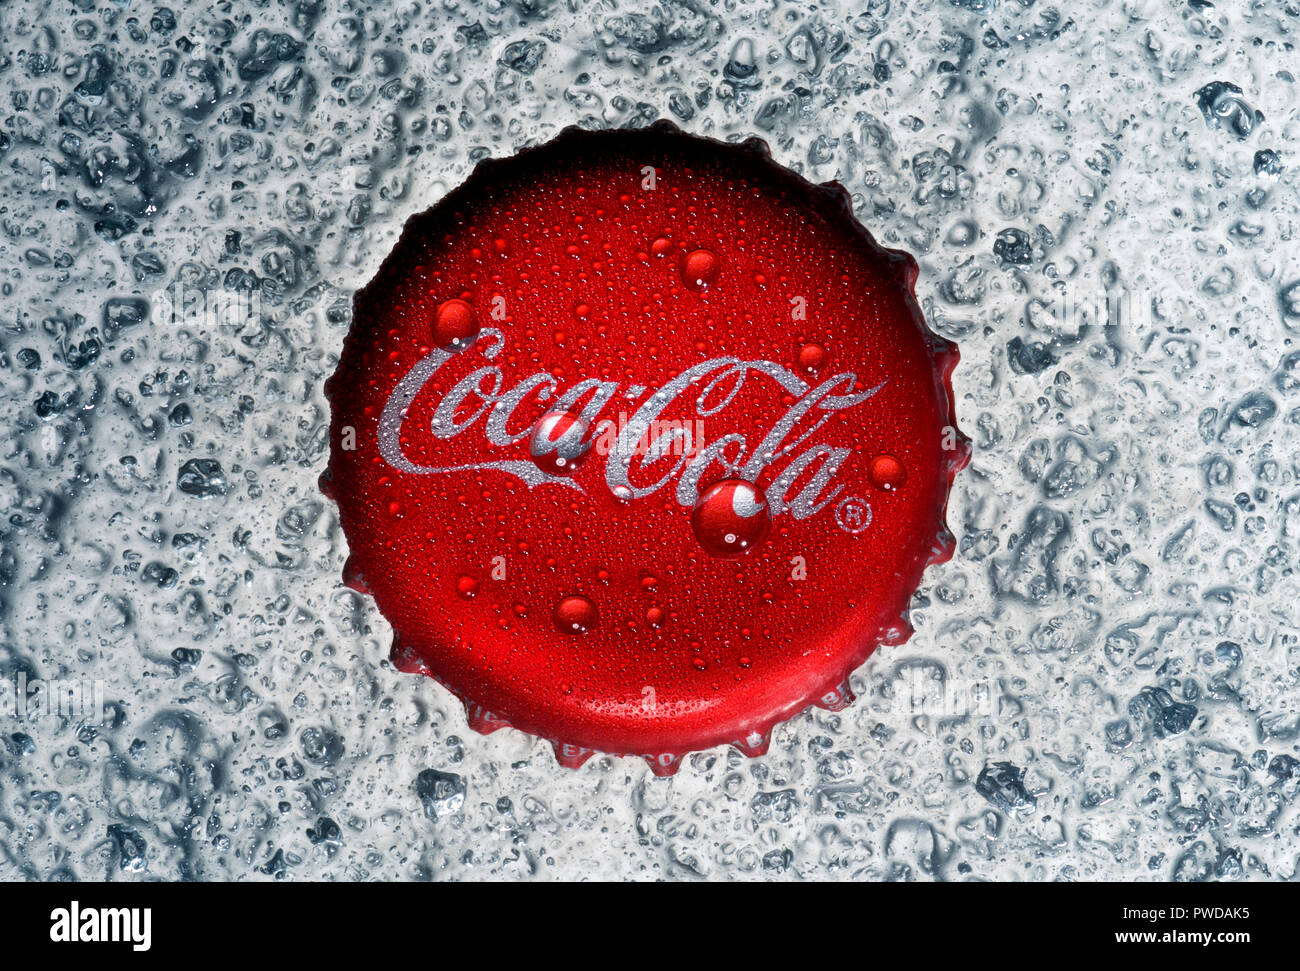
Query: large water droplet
x=812, y=358
x=559, y=442
x=700, y=268
x=731, y=518
x=454, y=325
x=887, y=473
x=576, y=614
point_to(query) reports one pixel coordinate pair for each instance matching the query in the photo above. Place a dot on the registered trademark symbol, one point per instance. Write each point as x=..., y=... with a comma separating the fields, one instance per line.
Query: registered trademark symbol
x=853, y=515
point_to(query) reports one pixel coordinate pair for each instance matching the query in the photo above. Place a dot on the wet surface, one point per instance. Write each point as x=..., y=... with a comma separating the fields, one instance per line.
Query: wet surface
x=1105, y=680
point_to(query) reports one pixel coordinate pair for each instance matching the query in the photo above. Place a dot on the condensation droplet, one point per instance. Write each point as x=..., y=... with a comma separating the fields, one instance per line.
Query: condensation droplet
x=700, y=268
x=558, y=443
x=730, y=518
x=576, y=614
x=812, y=358
x=887, y=473
x=454, y=325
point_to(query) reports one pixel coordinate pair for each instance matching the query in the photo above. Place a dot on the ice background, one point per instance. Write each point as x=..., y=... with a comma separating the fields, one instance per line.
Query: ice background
x=1124, y=585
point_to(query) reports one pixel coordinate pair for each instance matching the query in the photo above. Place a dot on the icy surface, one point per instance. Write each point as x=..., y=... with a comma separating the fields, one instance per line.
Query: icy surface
x=1104, y=682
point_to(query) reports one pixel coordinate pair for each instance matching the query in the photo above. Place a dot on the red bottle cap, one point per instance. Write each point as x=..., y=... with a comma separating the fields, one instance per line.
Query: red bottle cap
x=641, y=444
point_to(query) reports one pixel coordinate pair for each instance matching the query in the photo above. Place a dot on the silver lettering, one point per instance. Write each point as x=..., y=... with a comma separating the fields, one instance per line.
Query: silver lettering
x=498, y=423
x=645, y=445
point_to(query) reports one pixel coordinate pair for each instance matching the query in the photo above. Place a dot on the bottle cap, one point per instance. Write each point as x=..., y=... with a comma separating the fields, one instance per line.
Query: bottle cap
x=641, y=444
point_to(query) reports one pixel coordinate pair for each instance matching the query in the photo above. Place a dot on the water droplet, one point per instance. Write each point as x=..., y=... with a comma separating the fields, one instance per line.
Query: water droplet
x=887, y=473
x=575, y=614
x=661, y=246
x=700, y=268
x=467, y=587
x=656, y=616
x=454, y=325
x=812, y=358
x=731, y=518
x=559, y=442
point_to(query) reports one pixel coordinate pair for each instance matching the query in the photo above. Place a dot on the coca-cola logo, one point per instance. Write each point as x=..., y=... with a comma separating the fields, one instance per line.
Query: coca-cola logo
x=643, y=451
